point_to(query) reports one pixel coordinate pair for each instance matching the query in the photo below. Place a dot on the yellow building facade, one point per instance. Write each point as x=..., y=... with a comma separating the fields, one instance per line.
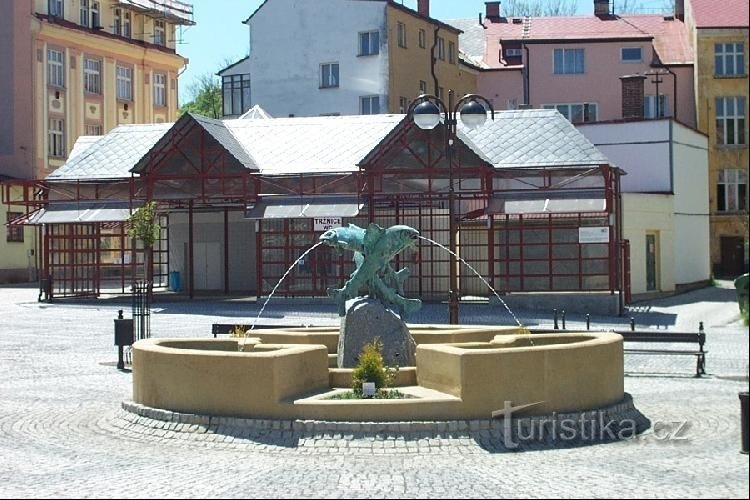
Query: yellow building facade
x=80, y=67
x=721, y=91
x=414, y=40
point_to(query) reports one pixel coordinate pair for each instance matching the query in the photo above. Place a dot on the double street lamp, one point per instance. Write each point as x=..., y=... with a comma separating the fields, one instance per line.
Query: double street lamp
x=427, y=111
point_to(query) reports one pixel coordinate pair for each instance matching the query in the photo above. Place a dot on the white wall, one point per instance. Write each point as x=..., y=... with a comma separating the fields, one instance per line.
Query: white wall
x=290, y=39
x=640, y=148
x=691, y=206
x=208, y=250
x=644, y=213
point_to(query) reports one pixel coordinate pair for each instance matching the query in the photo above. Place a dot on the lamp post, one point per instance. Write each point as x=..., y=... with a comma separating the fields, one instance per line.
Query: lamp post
x=426, y=111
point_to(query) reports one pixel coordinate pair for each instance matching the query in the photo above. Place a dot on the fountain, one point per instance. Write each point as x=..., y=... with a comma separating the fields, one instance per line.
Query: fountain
x=448, y=372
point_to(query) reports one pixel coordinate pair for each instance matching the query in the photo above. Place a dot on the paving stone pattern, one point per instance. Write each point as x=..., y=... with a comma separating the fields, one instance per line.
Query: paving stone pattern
x=64, y=432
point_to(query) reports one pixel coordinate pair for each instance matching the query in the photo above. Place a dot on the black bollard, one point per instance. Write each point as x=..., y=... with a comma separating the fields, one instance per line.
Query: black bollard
x=700, y=327
x=588, y=322
x=632, y=324
x=556, y=327
x=563, y=319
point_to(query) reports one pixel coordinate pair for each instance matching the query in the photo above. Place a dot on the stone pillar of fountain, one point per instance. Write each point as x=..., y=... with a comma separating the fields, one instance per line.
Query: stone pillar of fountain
x=367, y=319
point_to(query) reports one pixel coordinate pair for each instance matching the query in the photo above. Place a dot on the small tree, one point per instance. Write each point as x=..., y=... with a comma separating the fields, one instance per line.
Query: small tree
x=372, y=368
x=144, y=227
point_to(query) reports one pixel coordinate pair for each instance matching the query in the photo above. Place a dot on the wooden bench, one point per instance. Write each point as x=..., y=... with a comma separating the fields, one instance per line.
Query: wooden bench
x=670, y=338
x=226, y=328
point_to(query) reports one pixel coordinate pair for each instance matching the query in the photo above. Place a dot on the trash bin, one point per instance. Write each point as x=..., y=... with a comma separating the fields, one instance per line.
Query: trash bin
x=174, y=281
x=743, y=294
x=745, y=424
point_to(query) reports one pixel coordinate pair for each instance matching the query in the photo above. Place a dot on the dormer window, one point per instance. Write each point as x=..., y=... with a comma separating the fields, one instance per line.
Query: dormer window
x=160, y=33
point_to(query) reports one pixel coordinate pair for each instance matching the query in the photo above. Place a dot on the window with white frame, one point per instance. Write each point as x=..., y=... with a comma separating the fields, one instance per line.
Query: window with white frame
x=451, y=52
x=441, y=48
x=730, y=120
x=369, y=43
x=369, y=105
x=55, y=8
x=55, y=68
x=56, y=138
x=15, y=232
x=576, y=112
x=729, y=59
x=731, y=191
x=511, y=104
x=94, y=129
x=422, y=39
x=92, y=75
x=655, y=108
x=160, y=33
x=124, y=83
x=401, y=34
x=160, y=89
x=329, y=75
x=117, y=23
x=422, y=87
x=235, y=94
x=403, y=104
x=95, y=17
x=85, y=13
x=441, y=93
x=126, y=23
x=569, y=61
x=631, y=54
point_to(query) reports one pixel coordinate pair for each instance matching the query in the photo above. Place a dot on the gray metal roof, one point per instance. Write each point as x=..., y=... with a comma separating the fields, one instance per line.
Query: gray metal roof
x=67, y=213
x=312, y=145
x=223, y=134
x=113, y=155
x=472, y=41
x=531, y=138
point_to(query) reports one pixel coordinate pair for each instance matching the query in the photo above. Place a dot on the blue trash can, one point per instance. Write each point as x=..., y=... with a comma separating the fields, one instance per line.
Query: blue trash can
x=174, y=281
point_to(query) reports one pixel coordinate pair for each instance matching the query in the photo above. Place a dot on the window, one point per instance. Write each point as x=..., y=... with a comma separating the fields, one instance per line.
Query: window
x=451, y=52
x=731, y=192
x=55, y=8
x=441, y=49
x=55, y=68
x=117, y=26
x=653, y=108
x=160, y=89
x=401, y=29
x=576, y=113
x=422, y=87
x=236, y=94
x=56, y=138
x=92, y=79
x=513, y=53
x=568, y=61
x=403, y=104
x=95, y=19
x=15, y=233
x=422, y=38
x=369, y=43
x=85, y=13
x=369, y=105
x=441, y=93
x=160, y=34
x=94, y=130
x=124, y=83
x=511, y=104
x=126, y=25
x=631, y=54
x=329, y=75
x=729, y=59
x=730, y=120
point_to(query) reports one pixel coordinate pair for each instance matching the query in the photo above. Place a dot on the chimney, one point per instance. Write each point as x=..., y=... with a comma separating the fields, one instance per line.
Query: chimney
x=632, y=96
x=492, y=10
x=423, y=8
x=679, y=9
x=601, y=8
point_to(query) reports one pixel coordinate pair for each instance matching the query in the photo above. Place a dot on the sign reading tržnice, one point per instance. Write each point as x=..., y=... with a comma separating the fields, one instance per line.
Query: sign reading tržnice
x=326, y=223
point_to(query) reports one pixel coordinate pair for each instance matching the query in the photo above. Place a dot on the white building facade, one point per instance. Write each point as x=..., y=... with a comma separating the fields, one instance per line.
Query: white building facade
x=665, y=203
x=341, y=70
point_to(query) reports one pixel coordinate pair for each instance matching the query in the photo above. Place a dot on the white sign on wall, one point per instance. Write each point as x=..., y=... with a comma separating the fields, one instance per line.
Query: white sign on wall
x=593, y=234
x=326, y=223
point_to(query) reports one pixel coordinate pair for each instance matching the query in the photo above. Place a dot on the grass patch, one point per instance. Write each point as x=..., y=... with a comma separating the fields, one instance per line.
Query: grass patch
x=381, y=394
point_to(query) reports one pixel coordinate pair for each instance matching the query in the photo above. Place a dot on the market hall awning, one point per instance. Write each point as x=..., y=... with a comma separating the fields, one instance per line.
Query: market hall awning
x=76, y=213
x=288, y=207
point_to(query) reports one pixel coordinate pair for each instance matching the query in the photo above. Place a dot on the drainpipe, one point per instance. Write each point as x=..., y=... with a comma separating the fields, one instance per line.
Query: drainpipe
x=433, y=60
x=526, y=78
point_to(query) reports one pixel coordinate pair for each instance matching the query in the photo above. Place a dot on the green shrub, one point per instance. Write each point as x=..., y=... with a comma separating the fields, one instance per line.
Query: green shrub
x=372, y=368
x=238, y=331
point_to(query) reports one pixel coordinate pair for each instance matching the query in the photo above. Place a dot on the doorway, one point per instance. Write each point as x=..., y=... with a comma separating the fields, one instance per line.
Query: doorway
x=732, y=256
x=652, y=262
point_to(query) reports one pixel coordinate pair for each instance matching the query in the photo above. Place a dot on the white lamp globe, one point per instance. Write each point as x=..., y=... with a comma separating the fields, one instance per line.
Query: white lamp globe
x=473, y=114
x=426, y=115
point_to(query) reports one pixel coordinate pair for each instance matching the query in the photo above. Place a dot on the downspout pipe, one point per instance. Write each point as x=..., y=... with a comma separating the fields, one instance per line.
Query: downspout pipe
x=433, y=61
x=526, y=78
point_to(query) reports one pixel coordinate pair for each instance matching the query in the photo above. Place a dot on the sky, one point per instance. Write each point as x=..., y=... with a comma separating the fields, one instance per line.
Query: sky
x=219, y=36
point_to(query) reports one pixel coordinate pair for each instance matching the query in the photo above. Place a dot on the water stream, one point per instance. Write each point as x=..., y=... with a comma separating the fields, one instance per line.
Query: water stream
x=479, y=276
x=252, y=327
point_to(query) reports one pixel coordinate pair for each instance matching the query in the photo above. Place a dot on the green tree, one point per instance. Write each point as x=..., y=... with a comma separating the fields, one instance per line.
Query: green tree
x=144, y=227
x=205, y=99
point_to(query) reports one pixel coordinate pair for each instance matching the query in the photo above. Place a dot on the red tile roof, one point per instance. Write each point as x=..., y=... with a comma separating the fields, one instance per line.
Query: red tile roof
x=720, y=14
x=670, y=37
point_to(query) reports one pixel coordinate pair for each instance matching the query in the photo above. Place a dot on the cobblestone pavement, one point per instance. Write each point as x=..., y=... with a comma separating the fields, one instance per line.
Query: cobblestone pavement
x=63, y=432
